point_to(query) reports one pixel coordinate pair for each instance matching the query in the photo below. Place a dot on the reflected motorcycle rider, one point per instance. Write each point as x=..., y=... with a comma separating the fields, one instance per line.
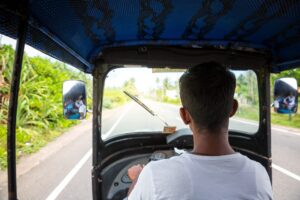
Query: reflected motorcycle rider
x=212, y=170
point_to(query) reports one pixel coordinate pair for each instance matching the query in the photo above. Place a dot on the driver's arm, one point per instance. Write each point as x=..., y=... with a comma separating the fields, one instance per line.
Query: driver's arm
x=133, y=174
x=142, y=187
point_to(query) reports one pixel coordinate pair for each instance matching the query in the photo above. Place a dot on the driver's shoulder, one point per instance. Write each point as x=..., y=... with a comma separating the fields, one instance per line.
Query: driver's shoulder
x=174, y=166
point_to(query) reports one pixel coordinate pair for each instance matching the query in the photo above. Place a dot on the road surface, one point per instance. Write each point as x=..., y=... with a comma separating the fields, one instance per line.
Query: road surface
x=62, y=169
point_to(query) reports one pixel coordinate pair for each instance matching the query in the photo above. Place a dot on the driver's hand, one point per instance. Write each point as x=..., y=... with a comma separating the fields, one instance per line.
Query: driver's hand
x=134, y=172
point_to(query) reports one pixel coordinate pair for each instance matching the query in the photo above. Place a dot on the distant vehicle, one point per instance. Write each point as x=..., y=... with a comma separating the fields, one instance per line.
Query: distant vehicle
x=286, y=96
x=98, y=36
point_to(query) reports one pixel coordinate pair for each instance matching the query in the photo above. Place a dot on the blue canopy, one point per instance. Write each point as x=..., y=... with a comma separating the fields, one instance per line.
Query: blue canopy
x=76, y=32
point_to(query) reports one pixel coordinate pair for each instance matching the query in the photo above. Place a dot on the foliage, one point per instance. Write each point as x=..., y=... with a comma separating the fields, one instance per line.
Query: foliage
x=283, y=120
x=246, y=88
x=113, y=97
x=163, y=87
x=129, y=86
x=248, y=112
x=295, y=73
x=39, y=114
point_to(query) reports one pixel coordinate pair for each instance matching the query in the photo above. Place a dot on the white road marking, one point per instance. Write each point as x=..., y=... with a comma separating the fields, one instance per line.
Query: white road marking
x=272, y=128
x=117, y=122
x=245, y=122
x=286, y=172
x=54, y=194
x=286, y=131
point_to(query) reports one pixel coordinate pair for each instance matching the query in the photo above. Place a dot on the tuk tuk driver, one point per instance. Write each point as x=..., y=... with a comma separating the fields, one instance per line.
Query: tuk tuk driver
x=212, y=170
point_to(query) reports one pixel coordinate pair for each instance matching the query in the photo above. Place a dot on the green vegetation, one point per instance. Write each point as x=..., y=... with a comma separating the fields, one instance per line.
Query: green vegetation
x=246, y=93
x=294, y=73
x=39, y=115
x=283, y=120
x=165, y=91
x=248, y=112
x=114, y=96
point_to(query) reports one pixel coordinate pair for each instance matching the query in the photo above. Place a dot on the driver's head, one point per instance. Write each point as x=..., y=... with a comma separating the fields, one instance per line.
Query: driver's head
x=206, y=93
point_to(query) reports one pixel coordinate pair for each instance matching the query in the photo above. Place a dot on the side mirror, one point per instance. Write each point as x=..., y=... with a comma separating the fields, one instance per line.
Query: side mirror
x=286, y=96
x=74, y=100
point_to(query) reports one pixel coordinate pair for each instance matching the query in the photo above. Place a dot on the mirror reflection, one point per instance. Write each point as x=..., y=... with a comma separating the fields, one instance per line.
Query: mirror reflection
x=285, y=96
x=74, y=97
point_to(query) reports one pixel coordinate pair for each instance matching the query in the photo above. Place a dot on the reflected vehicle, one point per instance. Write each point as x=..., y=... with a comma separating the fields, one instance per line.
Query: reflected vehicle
x=286, y=96
x=74, y=100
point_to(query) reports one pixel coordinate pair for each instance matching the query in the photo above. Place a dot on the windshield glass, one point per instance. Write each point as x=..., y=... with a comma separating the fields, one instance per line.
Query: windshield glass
x=147, y=100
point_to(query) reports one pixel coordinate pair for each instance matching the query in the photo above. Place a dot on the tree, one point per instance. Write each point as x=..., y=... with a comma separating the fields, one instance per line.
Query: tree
x=130, y=87
x=246, y=88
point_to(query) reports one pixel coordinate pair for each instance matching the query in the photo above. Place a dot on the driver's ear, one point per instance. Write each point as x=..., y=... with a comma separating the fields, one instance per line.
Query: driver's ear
x=234, y=107
x=185, y=115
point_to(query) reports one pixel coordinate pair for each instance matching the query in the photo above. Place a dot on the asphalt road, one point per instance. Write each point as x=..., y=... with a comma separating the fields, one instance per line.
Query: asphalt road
x=62, y=169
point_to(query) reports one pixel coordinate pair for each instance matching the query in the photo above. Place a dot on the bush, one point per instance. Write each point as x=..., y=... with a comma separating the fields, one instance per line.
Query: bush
x=40, y=113
x=113, y=98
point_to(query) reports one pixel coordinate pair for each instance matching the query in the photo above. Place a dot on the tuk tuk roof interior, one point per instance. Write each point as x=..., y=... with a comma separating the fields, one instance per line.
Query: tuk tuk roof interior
x=76, y=32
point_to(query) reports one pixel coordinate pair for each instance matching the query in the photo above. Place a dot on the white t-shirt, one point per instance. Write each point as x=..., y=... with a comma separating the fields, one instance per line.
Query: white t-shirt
x=193, y=177
x=276, y=104
x=82, y=109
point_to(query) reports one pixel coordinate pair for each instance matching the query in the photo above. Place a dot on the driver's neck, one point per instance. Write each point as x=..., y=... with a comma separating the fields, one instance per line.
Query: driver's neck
x=212, y=143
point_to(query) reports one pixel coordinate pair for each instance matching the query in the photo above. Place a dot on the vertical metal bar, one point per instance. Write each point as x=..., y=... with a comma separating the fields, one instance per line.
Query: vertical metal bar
x=268, y=119
x=97, y=103
x=12, y=113
x=265, y=117
x=98, y=86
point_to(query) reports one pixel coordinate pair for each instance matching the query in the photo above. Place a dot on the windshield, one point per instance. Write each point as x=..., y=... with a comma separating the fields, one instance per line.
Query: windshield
x=147, y=100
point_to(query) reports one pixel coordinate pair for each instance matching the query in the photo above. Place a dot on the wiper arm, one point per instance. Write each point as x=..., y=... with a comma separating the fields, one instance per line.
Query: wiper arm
x=145, y=107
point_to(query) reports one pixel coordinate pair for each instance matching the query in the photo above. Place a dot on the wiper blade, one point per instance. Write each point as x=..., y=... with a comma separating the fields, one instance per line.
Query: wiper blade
x=145, y=107
x=140, y=103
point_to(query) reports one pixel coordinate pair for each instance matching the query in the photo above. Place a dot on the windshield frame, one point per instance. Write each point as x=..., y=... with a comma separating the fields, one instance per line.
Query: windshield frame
x=240, y=131
x=234, y=131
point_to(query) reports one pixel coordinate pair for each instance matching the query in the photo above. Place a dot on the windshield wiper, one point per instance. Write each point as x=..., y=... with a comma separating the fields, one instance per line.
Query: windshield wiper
x=167, y=127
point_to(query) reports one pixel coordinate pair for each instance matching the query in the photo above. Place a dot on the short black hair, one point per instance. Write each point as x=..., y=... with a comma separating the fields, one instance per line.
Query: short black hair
x=207, y=92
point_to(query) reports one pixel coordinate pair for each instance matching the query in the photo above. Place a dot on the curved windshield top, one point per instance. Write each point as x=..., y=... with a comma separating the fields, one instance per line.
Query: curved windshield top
x=146, y=100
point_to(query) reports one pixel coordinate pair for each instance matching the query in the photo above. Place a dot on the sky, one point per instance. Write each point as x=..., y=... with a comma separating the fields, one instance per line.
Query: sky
x=145, y=79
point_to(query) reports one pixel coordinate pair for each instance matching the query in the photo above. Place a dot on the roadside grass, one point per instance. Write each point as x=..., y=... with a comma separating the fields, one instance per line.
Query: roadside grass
x=30, y=140
x=252, y=113
x=283, y=120
x=113, y=98
x=172, y=101
x=248, y=112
